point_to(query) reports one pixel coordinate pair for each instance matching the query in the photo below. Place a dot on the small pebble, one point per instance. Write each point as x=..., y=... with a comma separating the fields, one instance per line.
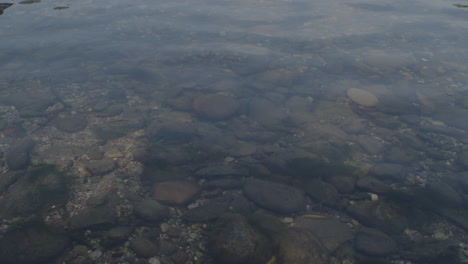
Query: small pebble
x=154, y=261
x=95, y=254
x=374, y=197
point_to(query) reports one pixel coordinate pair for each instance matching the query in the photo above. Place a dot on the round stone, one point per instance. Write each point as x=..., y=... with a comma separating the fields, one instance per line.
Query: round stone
x=174, y=192
x=362, y=97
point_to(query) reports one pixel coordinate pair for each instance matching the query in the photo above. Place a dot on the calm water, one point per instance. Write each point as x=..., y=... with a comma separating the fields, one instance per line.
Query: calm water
x=361, y=106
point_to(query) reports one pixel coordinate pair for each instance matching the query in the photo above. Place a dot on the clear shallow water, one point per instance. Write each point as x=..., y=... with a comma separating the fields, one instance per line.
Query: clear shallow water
x=137, y=73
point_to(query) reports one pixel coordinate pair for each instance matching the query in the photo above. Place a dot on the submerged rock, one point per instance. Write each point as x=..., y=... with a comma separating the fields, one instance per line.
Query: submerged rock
x=71, y=124
x=276, y=197
x=377, y=214
x=331, y=232
x=175, y=192
x=235, y=241
x=150, y=210
x=361, y=97
x=300, y=246
x=374, y=242
x=17, y=156
x=215, y=106
x=31, y=245
x=207, y=211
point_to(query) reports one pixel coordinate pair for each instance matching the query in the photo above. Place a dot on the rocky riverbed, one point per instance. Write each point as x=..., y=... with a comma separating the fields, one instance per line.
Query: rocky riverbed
x=245, y=166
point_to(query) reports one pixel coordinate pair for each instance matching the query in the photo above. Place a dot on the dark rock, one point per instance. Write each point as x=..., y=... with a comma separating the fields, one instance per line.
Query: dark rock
x=387, y=172
x=180, y=257
x=343, y=183
x=97, y=217
x=456, y=216
x=371, y=145
x=322, y=192
x=430, y=250
x=130, y=121
x=454, y=117
x=462, y=159
x=182, y=103
x=116, y=235
x=330, y=231
x=17, y=156
x=235, y=241
x=300, y=246
x=411, y=119
x=371, y=184
x=144, y=247
x=109, y=111
x=373, y=242
x=71, y=124
x=276, y=197
x=175, y=192
x=172, y=131
x=242, y=204
x=215, y=106
x=449, y=131
x=400, y=155
x=221, y=171
x=14, y=130
x=378, y=215
x=444, y=195
x=267, y=223
x=150, y=210
x=30, y=103
x=166, y=247
x=207, y=211
x=7, y=179
x=100, y=167
x=265, y=112
x=396, y=106
x=225, y=184
x=34, y=190
x=31, y=246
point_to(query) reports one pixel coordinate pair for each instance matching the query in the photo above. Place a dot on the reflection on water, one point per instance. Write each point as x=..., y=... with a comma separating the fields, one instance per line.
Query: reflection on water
x=233, y=132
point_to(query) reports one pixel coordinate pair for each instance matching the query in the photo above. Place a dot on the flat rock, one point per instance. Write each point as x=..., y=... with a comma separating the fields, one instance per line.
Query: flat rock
x=331, y=232
x=93, y=217
x=322, y=192
x=215, y=171
x=100, y=167
x=223, y=183
x=400, y=155
x=343, y=183
x=300, y=246
x=387, y=172
x=361, y=97
x=144, y=248
x=175, y=192
x=276, y=197
x=215, y=106
x=31, y=245
x=371, y=145
x=150, y=210
x=18, y=155
x=235, y=241
x=71, y=124
x=266, y=112
x=377, y=214
x=371, y=184
x=207, y=211
x=130, y=121
x=373, y=242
